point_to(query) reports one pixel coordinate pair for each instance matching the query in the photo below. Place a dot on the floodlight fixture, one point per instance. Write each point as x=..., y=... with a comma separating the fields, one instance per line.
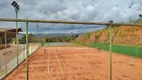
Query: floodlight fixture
x=15, y=5
x=140, y=15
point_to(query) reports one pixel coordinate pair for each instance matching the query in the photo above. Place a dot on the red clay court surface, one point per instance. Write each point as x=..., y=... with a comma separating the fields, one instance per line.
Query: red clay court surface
x=77, y=63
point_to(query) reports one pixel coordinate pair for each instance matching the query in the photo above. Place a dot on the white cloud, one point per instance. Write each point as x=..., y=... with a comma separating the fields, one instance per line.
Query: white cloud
x=82, y=10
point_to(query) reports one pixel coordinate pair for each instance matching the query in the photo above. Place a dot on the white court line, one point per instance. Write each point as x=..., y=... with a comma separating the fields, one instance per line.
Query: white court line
x=59, y=63
x=48, y=61
x=69, y=72
x=78, y=56
x=83, y=59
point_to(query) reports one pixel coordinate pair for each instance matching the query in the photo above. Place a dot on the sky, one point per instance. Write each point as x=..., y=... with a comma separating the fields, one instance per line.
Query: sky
x=74, y=10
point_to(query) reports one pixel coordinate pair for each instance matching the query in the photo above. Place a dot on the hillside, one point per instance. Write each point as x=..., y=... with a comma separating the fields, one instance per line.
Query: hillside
x=126, y=35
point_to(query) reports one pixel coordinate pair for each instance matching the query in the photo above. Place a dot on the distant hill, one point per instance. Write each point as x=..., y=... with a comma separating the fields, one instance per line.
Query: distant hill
x=55, y=34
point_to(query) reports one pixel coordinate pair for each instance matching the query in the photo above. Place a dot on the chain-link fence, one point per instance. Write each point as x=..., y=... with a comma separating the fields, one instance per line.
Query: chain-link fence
x=126, y=48
x=76, y=59
x=12, y=47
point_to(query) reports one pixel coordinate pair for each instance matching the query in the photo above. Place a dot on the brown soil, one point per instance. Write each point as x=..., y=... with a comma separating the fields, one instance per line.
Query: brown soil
x=78, y=63
x=127, y=35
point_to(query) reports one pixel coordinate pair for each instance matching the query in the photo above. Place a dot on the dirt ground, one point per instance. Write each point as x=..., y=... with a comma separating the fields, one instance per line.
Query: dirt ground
x=77, y=63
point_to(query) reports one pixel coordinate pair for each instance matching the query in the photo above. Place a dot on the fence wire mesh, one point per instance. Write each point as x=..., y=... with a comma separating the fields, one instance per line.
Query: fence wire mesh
x=62, y=48
x=12, y=49
x=126, y=49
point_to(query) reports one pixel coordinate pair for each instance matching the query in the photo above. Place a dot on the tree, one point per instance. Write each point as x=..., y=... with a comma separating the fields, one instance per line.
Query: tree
x=23, y=39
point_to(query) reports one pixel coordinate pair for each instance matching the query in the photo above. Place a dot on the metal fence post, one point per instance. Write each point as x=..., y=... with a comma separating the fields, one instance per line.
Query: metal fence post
x=110, y=41
x=32, y=49
x=0, y=64
x=5, y=53
x=23, y=51
x=27, y=52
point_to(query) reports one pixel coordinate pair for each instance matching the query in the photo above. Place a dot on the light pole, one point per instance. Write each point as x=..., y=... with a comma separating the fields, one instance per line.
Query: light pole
x=17, y=8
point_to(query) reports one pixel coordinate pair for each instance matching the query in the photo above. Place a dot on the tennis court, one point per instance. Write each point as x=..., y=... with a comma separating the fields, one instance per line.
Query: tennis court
x=77, y=63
